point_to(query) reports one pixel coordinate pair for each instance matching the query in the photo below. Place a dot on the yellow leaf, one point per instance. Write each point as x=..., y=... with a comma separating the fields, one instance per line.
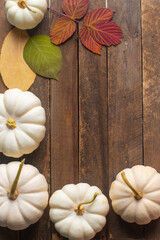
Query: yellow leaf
x=15, y=72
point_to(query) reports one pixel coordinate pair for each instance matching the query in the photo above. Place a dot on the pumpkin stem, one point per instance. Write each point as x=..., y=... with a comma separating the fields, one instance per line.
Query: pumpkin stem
x=11, y=123
x=137, y=194
x=13, y=193
x=22, y=4
x=80, y=209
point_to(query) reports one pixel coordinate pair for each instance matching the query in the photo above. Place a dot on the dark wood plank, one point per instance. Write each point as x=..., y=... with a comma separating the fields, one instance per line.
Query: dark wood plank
x=151, y=93
x=125, y=238
x=125, y=104
x=64, y=117
x=92, y=113
x=93, y=165
x=5, y=27
x=40, y=158
x=6, y=234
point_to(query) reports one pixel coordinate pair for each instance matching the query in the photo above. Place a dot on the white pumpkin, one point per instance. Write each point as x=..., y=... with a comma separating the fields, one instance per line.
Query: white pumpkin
x=78, y=211
x=22, y=120
x=25, y=14
x=135, y=194
x=21, y=204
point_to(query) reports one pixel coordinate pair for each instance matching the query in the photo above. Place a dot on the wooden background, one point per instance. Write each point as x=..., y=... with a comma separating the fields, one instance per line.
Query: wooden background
x=103, y=114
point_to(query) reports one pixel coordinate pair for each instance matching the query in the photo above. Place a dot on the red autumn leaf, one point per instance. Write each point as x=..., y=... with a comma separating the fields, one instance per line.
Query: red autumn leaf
x=75, y=9
x=88, y=41
x=100, y=14
x=107, y=33
x=96, y=31
x=101, y=30
x=62, y=30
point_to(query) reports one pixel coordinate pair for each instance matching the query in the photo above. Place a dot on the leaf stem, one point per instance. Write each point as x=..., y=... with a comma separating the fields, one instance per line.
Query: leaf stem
x=137, y=194
x=56, y=11
x=13, y=193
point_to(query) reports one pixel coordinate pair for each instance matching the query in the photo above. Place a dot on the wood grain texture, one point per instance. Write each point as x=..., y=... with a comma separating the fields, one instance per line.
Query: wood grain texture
x=99, y=118
x=40, y=158
x=93, y=165
x=125, y=104
x=92, y=113
x=64, y=117
x=151, y=93
x=5, y=27
x=126, y=239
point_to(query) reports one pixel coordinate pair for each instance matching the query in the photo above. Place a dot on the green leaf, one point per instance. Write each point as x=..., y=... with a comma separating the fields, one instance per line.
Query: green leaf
x=42, y=56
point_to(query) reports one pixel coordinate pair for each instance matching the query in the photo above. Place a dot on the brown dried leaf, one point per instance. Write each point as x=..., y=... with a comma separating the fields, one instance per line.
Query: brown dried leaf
x=15, y=72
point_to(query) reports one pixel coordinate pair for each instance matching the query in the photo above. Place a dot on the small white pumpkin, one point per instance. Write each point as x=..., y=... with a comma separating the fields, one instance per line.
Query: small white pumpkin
x=78, y=211
x=25, y=14
x=22, y=120
x=135, y=194
x=23, y=195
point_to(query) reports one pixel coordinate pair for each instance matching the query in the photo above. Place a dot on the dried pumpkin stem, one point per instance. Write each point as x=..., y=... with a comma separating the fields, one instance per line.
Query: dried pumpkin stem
x=22, y=4
x=11, y=123
x=13, y=193
x=137, y=194
x=80, y=209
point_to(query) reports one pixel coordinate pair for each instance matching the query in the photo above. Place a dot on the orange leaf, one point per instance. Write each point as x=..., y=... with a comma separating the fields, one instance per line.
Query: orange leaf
x=75, y=9
x=62, y=30
x=15, y=72
x=88, y=41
